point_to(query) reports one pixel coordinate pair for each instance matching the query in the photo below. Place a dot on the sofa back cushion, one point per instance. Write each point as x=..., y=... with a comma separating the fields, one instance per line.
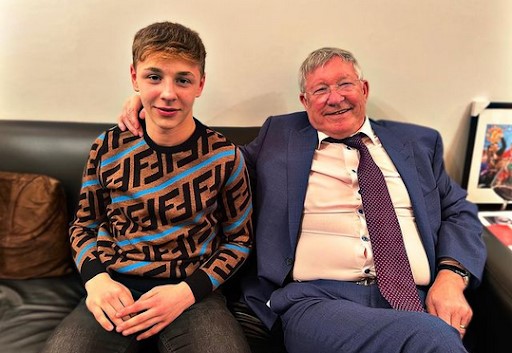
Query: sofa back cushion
x=59, y=149
x=33, y=227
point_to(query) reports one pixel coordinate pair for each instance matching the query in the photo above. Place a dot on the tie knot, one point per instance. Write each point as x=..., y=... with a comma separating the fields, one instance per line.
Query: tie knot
x=354, y=141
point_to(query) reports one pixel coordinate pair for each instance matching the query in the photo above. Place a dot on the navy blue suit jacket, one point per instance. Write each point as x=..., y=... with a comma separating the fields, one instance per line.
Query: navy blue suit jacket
x=279, y=161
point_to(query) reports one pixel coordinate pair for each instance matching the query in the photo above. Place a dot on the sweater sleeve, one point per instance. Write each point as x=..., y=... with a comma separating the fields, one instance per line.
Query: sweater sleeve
x=90, y=216
x=236, y=232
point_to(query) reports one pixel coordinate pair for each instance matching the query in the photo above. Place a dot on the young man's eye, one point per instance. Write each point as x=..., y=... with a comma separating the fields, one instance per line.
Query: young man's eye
x=154, y=77
x=183, y=81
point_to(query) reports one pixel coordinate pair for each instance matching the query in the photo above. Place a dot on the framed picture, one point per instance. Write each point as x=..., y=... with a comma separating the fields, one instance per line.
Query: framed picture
x=488, y=168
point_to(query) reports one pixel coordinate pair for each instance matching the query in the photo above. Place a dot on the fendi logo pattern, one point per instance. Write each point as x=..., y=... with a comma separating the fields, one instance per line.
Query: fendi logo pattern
x=163, y=212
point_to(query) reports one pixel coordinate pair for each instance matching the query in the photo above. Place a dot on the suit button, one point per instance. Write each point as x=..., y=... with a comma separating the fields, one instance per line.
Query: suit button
x=289, y=261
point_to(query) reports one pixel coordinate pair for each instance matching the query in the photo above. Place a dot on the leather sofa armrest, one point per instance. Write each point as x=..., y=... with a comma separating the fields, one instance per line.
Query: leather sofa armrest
x=498, y=270
x=489, y=330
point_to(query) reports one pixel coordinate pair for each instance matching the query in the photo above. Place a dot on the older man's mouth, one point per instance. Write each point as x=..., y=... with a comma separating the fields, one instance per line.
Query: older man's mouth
x=339, y=112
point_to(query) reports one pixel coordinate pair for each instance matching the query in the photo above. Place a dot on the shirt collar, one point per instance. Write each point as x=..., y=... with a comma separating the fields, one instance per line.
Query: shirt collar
x=365, y=129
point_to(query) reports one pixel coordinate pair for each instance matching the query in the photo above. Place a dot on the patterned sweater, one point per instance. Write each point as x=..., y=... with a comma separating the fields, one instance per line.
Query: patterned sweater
x=163, y=214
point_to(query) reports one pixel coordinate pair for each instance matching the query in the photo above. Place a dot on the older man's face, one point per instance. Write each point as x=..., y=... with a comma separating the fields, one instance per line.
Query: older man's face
x=335, y=98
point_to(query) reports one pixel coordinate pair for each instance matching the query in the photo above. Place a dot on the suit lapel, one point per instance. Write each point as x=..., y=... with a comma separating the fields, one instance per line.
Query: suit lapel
x=301, y=148
x=401, y=152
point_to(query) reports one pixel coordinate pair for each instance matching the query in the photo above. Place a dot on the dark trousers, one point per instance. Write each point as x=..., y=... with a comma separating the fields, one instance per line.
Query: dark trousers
x=206, y=327
x=334, y=317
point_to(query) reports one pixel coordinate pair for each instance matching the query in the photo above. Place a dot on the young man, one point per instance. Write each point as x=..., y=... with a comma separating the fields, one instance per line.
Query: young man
x=163, y=219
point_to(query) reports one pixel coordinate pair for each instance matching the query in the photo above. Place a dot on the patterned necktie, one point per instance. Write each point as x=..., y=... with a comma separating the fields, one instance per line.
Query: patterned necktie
x=394, y=276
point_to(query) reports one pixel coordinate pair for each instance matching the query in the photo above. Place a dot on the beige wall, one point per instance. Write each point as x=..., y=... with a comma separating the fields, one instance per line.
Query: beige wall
x=426, y=60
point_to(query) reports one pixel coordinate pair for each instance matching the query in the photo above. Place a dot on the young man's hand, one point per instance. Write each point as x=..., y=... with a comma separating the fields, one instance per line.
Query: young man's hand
x=156, y=309
x=129, y=118
x=446, y=300
x=105, y=298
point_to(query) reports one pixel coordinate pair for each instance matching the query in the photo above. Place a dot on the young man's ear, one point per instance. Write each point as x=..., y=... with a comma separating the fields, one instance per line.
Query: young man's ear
x=201, y=86
x=133, y=75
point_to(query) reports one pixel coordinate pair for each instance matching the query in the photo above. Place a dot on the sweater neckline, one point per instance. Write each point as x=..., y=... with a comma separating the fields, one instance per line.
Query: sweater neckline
x=186, y=145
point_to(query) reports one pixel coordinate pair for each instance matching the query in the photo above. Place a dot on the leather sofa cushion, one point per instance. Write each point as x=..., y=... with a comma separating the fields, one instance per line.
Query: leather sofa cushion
x=31, y=309
x=33, y=227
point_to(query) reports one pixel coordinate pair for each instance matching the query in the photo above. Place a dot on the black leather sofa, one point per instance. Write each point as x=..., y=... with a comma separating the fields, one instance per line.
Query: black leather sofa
x=30, y=309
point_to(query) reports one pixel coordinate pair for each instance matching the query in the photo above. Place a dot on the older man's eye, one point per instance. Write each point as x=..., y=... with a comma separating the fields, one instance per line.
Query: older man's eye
x=320, y=91
x=345, y=85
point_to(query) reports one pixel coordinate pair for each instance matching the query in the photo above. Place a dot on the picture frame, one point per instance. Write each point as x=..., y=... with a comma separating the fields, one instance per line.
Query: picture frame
x=489, y=147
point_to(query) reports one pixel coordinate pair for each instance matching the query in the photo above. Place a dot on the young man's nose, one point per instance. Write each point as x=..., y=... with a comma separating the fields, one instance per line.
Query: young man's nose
x=168, y=91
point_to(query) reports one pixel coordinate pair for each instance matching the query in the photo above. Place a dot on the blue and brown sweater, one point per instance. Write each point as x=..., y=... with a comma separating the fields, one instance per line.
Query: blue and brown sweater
x=163, y=214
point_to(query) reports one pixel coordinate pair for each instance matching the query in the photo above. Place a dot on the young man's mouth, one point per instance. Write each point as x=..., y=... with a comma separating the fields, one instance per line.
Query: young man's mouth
x=167, y=111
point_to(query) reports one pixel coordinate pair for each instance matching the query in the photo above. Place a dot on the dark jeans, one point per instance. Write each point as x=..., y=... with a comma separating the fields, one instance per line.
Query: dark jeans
x=206, y=327
x=260, y=338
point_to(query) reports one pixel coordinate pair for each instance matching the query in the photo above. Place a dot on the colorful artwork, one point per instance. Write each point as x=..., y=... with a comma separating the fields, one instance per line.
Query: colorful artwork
x=496, y=155
x=488, y=168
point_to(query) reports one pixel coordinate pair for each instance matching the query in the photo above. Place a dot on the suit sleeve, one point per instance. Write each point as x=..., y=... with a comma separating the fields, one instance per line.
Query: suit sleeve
x=252, y=149
x=460, y=232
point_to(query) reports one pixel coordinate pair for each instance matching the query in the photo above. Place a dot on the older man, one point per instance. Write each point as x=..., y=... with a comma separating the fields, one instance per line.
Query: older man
x=346, y=271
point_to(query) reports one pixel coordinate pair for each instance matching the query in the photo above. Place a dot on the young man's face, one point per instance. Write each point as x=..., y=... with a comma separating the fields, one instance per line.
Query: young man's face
x=168, y=88
x=335, y=98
